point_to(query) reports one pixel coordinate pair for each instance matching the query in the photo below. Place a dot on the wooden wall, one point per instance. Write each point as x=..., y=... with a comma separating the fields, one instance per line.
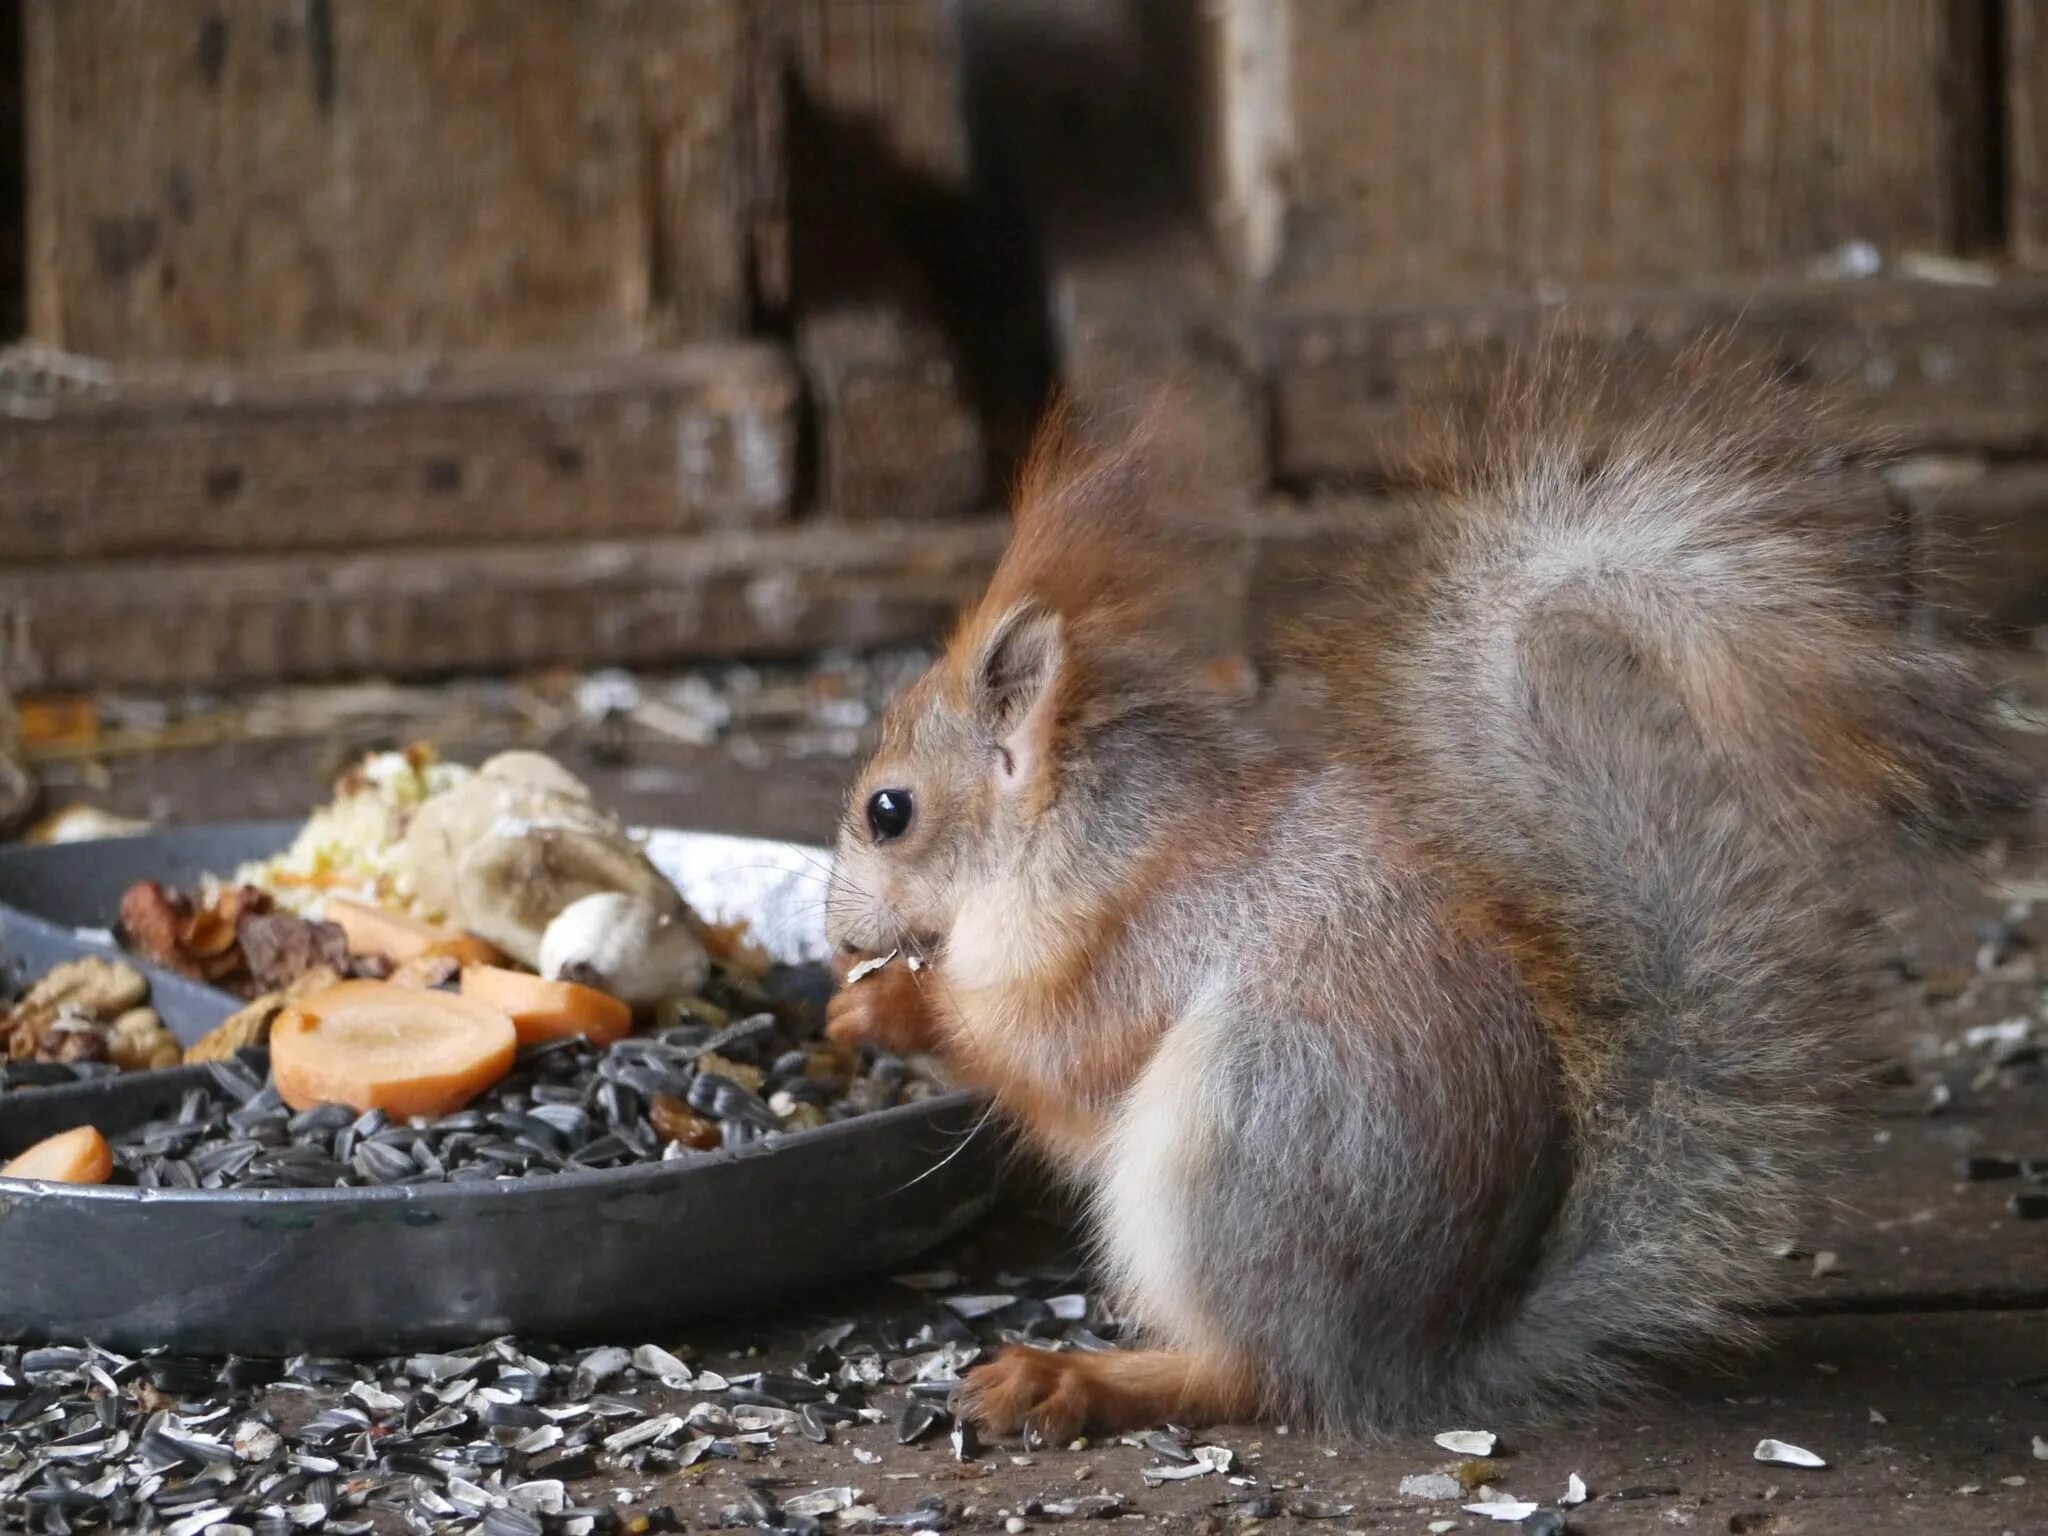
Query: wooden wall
x=1472, y=148
x=468, y=326
x=386, y=335
x=1855, y=189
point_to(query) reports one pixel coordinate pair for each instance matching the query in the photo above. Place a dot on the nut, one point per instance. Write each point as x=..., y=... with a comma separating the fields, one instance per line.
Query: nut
x=138, y=1042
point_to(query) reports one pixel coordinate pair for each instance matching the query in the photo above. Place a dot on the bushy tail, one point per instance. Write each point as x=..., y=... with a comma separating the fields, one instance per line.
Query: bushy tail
x=1631, y=673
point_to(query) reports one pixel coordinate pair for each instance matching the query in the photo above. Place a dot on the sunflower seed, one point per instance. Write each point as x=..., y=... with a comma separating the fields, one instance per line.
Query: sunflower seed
x=918, y=1419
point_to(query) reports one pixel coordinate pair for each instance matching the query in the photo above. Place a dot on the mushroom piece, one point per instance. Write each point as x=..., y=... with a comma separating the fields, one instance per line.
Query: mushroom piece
x=503, y=854
x=623, y=945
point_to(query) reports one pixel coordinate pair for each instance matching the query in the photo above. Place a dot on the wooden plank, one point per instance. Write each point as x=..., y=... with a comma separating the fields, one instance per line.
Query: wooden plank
x=1463, y=147
x=309, y=458
x=225, y=620
x=890, y=67
x=896, y=437
x=1980, y=540
x=2026, y=130
x=13, y=189
x=1932, y=365
x=884, y=80
x=240, y=178
x=896, y=434
x=1135, y=291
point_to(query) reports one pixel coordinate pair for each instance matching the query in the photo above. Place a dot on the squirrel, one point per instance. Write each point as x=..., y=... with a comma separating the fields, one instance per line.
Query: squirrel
x=1462, y=1057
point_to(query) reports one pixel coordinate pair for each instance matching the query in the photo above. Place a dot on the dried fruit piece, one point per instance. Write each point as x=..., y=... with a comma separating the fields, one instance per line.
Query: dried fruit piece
x=673, y=1120
x=748, y=1077
x=733, y=945
x=280, y=947
x=249, y=1027
x=151, y=918
x=77, y=1156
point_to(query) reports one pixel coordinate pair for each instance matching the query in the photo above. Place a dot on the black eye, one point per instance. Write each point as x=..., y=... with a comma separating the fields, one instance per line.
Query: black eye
x=889, y=813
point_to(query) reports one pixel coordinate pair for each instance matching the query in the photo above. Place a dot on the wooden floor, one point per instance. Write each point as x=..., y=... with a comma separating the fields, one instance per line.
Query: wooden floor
x=1911, y=1353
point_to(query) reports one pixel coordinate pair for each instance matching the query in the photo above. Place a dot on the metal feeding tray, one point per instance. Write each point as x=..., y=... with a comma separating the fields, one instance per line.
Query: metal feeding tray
x=376, y=1270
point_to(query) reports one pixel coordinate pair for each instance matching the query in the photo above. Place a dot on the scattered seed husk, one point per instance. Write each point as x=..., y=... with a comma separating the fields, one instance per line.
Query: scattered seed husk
x=1780, y=1454
x=1503, y=1509
x=1468, y=1442
x=1309, y=1506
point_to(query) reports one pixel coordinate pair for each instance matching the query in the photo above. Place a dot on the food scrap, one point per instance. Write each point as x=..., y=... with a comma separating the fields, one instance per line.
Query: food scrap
x=405, y=1051
x=541, y=1009
x=1778, y=1453
x=77, y=1156
x=89, y=1010
x=236, y=938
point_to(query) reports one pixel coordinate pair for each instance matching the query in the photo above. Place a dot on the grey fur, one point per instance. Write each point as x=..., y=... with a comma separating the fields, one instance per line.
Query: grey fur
x=1527, y=721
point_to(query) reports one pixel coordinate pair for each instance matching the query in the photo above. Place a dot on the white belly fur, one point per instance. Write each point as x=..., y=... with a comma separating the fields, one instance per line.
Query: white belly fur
x=1156, y=1152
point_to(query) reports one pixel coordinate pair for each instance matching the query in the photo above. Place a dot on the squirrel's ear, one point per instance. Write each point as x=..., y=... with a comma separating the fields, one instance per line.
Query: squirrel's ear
x=1014, y=687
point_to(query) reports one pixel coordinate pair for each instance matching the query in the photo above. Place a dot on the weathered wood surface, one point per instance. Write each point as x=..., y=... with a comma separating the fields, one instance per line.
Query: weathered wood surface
x=896, y=436
x=892, y=66
x=13, y=186
x=1136, y=296
x=895, y=433
x=1462, y=147
x=308, y=458
x=2026, y=129
x=436, y=609
x=1931, y=366
x=888, y=77
x=1980, y=539
x=240, y=178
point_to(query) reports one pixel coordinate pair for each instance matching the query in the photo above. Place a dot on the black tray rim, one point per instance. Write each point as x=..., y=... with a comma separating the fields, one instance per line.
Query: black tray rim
x=469, y=1191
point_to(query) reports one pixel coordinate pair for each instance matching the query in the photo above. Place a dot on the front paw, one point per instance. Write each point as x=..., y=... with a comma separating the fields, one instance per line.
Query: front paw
x=885, y=1009
x=1047, y=1396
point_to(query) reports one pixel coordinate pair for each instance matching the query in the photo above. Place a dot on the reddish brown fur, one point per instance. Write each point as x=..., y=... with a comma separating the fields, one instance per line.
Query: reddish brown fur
x=1050, y=1396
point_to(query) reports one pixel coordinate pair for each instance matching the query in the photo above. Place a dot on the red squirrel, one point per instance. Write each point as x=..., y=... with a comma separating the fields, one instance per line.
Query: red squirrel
x=1456, y=1061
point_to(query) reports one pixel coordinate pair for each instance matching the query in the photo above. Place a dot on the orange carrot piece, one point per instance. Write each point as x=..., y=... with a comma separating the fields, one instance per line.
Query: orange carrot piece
x=398, y=938
x=372, y=1045
x=77, y=1156
x=546, y=1010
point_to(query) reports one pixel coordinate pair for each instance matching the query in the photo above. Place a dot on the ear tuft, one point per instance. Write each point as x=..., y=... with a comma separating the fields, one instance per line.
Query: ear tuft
x=1019, y=662
x=1014, y=685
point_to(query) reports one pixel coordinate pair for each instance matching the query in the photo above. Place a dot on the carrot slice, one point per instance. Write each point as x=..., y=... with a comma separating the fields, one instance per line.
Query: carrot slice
x=398, y=938
x=546, y=1010
x=77, y=1156
x=372, y=1045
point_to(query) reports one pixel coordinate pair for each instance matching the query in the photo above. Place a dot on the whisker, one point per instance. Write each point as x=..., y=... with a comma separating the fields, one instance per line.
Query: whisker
x=967, y=1136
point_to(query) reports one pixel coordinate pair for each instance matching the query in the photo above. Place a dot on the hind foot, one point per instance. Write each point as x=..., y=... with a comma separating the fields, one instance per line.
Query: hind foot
x=1051, y=1396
